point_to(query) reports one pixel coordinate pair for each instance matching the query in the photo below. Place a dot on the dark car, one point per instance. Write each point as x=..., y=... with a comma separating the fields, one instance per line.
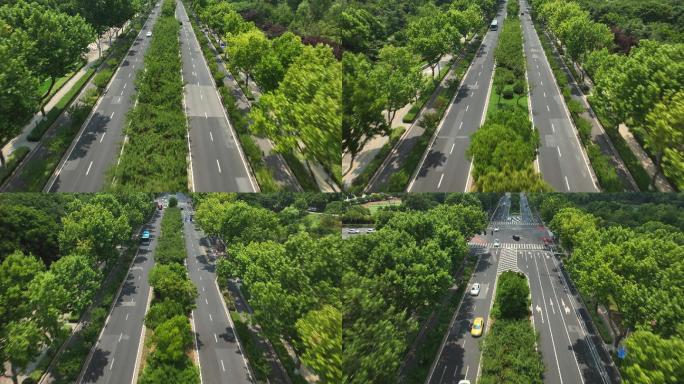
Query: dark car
x=516, y=237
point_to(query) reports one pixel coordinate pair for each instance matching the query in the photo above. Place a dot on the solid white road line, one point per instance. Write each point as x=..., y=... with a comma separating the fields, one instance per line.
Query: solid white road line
x=440, y=181
x=89, y=165
x=219, y=165
x=103, y=135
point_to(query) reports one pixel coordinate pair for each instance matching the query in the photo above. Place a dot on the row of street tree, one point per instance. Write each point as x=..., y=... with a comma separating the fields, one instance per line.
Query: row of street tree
x=300, y=110
x=384, y=57
x=44, y=284
x=643, y=88
x=42, y=41
x=290, y=275
x=632, y=272
x=397, y=273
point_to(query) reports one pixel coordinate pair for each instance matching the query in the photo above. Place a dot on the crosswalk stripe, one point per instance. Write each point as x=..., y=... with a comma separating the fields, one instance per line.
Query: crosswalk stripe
x=508, y=246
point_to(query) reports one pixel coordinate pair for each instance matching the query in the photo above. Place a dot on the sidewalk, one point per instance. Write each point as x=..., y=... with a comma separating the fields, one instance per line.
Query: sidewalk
x=91, y=56
x=662, y=185
x=374, y=145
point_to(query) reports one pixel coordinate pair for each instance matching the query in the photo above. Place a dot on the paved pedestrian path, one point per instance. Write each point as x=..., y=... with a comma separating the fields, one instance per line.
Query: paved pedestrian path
x=662, y=185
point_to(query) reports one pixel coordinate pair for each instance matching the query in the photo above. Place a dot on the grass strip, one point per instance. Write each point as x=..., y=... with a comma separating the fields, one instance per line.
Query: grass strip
x=12, y=162
x=154, y=157
x=431, y=85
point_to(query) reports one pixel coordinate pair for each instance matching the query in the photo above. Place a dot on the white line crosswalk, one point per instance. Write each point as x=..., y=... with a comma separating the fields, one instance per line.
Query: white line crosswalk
x=509, y=246
x=508, y=261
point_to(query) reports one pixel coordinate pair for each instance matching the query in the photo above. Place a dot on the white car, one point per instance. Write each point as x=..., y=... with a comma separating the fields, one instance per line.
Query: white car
x=370, y=230
x=149, y=34
x=475, y=290
x=496, y=243
x=354, y=230
x=496, y=229
x=464, y=382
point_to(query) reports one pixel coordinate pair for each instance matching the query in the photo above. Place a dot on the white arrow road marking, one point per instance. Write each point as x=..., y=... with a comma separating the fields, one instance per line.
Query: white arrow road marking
x=538, y=308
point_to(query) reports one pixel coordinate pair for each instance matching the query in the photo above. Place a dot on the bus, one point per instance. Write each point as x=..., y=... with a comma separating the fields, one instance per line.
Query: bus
x=494, y=25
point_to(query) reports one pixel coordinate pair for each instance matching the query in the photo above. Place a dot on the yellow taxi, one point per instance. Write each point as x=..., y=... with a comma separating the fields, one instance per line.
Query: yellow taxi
x=477, y=327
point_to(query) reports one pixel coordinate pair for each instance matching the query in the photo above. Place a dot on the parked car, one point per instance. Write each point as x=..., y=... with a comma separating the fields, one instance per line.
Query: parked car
x=475, y=290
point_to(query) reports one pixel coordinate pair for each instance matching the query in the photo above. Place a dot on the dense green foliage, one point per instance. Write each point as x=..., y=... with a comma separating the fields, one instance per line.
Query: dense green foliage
x=289, y=269
x=82, y=239
x=635, y=271
x=510, y=354
x=154, y=157
x=402, y=269
x=659, y=20
x=174, y=298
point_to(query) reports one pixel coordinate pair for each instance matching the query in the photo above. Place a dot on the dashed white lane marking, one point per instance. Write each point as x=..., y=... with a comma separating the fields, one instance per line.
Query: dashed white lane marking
x=205, y=115
x=467, y=106
x=127, y=317
x=566, y=183
x=103, y=135
x=553, y=129
x=460, y=126
x=223, y=366
x=559, y=154
x=111, y=116
x=211, y=318
x=440, y=181
x=206, y=301
x=125, y=85
x=215, y=338
x=547, y=108
x=211, y=136
x=120, y=336
x=452, y=148
x=219, y=165
x=112, y=364
x=90, y=165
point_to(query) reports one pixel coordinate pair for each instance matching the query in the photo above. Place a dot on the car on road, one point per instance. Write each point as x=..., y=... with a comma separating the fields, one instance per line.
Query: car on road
x=148, y=34
x=496, y=243
x=475, y=290
x=464, y=382
x=369, y=230
x=516, y=237
x=496, y=229
x=478, y=326
x=353, y=230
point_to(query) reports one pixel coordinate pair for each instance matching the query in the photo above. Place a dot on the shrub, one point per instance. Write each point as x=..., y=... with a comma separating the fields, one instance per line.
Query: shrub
x=12, y=162
x=575, y=107
x=519, y=88
x=102, y=78
x=507, y=94
x=584, y=129
x=173, y=201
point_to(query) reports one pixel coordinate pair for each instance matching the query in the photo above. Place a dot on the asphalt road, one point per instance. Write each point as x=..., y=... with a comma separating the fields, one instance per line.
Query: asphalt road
x=444, y=167
x=220, y=354
x=114, y=357
x=96, y=149
x=569, y=350
x=459, y=355
x=218, y=162
x=562, y=162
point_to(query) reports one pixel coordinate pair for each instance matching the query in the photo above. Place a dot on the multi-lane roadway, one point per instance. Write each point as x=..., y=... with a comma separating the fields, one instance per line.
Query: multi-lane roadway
x=569, y=349
x=444, y=166
x=97, y=147
x=217, y=161
x=114, y=358
x=220, y=354
x=562, y=160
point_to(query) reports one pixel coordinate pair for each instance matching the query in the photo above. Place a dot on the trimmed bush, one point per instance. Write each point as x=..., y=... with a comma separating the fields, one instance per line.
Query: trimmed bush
x=102, y=78
x=12, y=162
x=507, y=94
